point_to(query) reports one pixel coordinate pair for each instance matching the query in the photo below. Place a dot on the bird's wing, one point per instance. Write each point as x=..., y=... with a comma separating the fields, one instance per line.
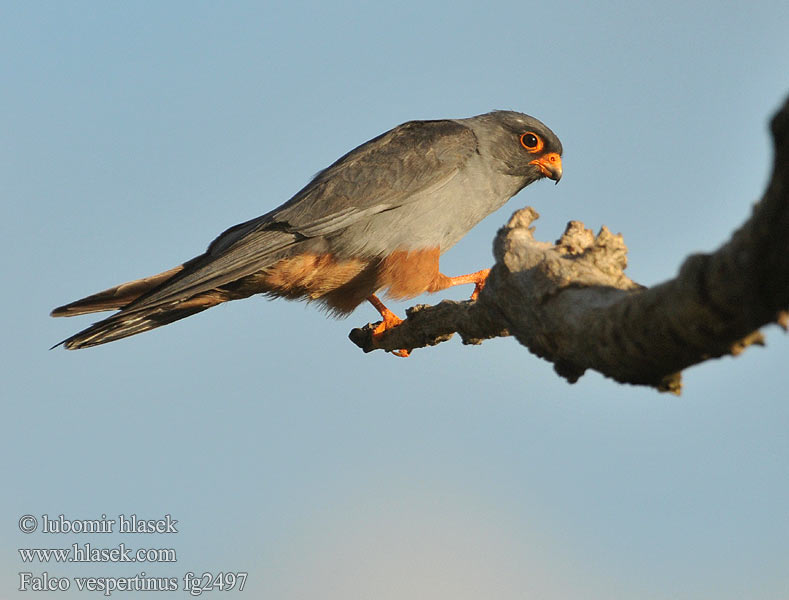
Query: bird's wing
x=388, y=171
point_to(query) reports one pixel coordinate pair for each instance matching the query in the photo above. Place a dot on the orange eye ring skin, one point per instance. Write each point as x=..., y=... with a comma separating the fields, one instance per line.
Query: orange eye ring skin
x=532, y=142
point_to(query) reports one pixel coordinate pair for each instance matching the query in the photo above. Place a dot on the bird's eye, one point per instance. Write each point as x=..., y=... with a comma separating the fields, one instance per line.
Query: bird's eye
x=531, y=141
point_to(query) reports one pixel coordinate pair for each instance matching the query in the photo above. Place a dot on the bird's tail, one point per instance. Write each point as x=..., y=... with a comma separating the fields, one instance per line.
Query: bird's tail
x=126, y=323
x=116, y=297
x=233, y=267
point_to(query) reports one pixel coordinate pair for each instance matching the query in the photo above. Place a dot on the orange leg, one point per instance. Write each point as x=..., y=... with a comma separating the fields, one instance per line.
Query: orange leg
x=478, y=279
x=389, y=321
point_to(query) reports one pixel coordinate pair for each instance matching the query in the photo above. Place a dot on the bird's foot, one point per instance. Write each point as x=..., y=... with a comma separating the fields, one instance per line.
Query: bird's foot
x=478, y=278
x=478, y=288
x=390, y=320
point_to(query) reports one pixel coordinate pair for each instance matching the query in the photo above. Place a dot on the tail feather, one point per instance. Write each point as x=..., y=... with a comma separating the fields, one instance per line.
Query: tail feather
x=125, y=324
x=116, y=297
x=225, y=272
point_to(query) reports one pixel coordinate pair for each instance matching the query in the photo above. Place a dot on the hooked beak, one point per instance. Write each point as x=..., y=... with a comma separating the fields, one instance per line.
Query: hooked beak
x=550, y=165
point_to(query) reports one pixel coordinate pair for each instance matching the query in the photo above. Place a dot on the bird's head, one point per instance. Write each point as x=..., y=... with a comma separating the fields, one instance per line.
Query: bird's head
x=522, y=145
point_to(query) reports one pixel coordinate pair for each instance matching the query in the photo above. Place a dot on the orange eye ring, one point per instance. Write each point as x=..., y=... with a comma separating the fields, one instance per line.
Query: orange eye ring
x=532, y=142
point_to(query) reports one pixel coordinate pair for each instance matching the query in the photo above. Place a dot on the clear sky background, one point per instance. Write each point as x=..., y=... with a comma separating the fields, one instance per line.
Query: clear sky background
x=134, y=133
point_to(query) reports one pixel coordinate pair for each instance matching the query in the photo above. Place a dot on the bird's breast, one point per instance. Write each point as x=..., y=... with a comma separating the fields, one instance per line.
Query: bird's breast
x=435, y=218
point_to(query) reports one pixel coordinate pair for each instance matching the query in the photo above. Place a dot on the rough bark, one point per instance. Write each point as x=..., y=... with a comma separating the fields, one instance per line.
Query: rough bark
x=572, y=304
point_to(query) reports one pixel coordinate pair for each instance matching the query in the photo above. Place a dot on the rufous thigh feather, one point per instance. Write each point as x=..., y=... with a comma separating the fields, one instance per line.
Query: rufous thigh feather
x=409, y=273
x=341, y=284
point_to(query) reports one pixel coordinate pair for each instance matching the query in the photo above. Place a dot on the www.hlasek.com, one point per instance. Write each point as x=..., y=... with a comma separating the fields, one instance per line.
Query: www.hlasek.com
x=88, y=553
x=195, y=584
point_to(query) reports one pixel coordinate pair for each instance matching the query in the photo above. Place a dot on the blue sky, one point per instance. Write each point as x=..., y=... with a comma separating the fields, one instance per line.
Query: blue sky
x=133, y=134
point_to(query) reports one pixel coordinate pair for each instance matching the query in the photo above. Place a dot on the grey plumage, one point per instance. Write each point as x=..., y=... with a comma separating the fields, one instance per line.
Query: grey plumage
x=423, y=184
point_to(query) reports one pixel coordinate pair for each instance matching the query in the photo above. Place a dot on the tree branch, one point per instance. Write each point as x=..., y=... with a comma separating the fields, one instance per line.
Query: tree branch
x=572, y=304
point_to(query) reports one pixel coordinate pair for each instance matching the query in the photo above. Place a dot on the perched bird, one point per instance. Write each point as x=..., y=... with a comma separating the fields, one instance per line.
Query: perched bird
x=377, y=219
